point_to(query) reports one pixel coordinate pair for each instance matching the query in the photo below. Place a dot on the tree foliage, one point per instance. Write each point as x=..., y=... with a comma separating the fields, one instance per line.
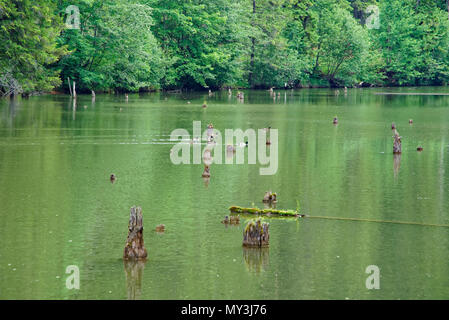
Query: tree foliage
x=131, y=45
x=28, y=29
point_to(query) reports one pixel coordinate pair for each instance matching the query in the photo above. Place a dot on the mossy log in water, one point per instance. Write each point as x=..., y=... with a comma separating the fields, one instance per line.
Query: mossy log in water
x=134, y=248
x=269, y=211
x=256, y=234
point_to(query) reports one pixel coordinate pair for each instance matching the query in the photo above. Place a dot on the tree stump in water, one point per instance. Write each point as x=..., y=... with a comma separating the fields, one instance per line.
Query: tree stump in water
x=256, y=234
x=206, y=172
x=270, y=197
x=397, y=147
x=134, y=248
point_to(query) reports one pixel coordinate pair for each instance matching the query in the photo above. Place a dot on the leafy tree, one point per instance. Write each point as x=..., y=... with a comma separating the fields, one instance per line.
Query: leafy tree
x=413, y=38
x=342, y=44
x=204, y=40
x=28, y=46
x=114, y=47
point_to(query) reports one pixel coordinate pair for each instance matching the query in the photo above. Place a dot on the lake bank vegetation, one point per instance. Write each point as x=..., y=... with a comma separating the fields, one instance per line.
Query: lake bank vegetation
x=143, y=45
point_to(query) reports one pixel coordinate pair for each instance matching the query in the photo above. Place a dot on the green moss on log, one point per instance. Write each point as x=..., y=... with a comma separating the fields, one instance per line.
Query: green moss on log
x=284, y=213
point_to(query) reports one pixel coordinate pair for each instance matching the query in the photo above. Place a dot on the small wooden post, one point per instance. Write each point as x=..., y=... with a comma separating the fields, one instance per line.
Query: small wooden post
x=256, y=234
x=134, y=248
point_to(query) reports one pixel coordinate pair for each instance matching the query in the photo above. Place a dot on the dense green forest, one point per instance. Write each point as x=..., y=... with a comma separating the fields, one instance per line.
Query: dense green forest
x=132, y=45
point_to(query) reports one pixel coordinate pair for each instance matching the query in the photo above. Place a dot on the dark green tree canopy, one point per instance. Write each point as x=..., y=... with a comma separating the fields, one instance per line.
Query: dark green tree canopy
x=132, y=45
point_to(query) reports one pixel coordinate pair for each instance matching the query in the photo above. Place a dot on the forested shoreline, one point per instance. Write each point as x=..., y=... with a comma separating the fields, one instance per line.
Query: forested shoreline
x=144, y=45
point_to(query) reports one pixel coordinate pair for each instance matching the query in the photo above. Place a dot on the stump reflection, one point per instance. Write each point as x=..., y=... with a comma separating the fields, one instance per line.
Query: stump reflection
x=134, y=276
x=396, y=163
x=256, y=259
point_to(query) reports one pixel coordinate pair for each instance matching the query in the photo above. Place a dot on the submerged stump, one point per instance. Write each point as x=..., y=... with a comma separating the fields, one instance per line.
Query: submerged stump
x=256, y=234
x=134, y=248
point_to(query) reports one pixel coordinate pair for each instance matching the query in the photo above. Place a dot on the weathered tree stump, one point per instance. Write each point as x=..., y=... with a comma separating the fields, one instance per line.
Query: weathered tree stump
x=206, y=172
x=231, y=220
x=397, y=147
x=160, y=228
x=270, y=197
x=134, y=248
x=256, y=234
x=210, y=132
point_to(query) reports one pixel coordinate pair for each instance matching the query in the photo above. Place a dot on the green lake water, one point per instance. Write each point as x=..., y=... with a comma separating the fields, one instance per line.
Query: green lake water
x=58, y=207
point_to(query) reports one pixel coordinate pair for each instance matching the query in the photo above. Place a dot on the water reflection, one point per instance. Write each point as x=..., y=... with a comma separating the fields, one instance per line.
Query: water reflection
x=256, y=259
x=74, y=109
x=14, y=106
x=206, y=181
x=396, y=164
x=134, y=276
x=269, y=205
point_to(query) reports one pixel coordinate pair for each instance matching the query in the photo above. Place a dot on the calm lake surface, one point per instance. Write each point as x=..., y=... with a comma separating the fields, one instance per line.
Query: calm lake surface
x=58, y=207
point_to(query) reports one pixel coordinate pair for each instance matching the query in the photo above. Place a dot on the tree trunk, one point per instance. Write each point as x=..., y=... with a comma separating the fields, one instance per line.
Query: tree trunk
x=397, y=147
x=256, y=234
x=134, y=248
